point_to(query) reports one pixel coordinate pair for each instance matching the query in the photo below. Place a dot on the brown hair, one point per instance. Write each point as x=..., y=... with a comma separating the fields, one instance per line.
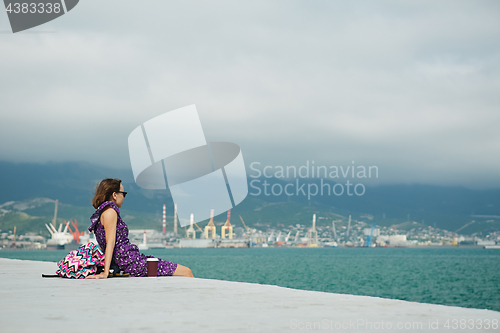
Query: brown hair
x=104, y=190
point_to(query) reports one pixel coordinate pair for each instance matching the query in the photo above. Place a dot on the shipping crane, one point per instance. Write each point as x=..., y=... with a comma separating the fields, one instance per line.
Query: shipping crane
x=296, y=239
x=369, y=238
x=465, y=226
x=227, y=227
x=348, y=228
x=246, y=228
x=76, y=234
x=197, y=226
x=453, y=242
x=210, y=227
x=334, y=232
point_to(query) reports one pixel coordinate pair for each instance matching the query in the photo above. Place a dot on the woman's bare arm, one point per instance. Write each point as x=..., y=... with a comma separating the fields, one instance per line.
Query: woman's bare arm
x=109, y=219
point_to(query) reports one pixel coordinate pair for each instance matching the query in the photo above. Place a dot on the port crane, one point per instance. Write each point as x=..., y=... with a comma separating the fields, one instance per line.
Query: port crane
x=369, y=238
x=348, y=228
x=270, y=237
x=465, y=226
x=335, y=232
x=246, y=228
x=76, y=234
x=227, y=227
x=296, y=239
x=210, y=227
x=453, y=242
x=312, y=234
x=197, y=226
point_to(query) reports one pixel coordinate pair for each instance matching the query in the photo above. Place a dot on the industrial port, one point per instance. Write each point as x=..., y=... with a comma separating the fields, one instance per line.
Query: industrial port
x=333, y=233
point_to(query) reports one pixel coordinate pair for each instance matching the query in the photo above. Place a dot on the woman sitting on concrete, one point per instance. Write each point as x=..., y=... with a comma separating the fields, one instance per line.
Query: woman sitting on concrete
x=112, y=235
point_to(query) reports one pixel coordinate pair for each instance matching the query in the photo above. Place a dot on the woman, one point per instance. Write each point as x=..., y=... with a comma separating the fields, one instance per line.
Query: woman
x=112, y=235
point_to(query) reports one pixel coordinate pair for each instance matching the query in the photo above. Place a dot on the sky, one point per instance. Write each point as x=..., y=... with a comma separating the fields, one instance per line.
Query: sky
x=410, y=87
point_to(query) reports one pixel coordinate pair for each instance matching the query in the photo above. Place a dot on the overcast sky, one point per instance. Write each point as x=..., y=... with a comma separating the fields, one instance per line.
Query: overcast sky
x=412, y=87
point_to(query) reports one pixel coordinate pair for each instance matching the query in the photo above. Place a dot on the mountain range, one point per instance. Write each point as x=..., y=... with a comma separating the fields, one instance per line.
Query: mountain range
x=28, y=191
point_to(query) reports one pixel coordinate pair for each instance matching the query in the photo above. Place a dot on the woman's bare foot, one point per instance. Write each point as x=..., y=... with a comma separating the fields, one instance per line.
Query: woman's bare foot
x=182, y=271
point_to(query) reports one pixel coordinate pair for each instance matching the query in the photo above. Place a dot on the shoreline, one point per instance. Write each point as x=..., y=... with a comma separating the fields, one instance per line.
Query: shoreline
x=292, y=247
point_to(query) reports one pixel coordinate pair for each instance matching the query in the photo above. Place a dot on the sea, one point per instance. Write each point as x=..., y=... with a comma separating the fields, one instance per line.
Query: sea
x=465, y=277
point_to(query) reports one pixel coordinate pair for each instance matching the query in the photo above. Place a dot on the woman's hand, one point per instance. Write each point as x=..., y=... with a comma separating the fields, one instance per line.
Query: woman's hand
x=103, y=275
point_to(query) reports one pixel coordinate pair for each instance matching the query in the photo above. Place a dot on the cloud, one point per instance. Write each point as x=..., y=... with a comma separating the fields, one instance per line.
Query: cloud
x=411, y=87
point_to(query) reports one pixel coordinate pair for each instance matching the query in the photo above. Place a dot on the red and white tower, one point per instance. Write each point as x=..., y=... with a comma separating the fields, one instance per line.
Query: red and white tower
x=175, y=219
x=164, y=220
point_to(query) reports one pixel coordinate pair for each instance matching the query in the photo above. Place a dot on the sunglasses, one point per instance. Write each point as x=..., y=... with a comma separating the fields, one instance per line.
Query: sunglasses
x=124, y=193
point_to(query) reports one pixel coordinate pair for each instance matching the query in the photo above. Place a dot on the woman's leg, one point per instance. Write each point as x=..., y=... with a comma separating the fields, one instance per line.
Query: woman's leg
x=182, y=271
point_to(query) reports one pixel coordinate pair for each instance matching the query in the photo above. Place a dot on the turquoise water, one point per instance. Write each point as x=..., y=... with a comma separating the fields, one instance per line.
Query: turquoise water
x=458, y=276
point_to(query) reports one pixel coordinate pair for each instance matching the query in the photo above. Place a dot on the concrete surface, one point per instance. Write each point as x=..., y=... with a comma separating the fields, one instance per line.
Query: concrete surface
x=30, y=303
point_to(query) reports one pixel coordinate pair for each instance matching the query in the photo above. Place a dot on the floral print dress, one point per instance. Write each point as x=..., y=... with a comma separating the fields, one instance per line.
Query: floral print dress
x=126, y=255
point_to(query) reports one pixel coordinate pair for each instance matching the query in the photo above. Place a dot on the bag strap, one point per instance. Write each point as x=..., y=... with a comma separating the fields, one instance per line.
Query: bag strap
x=114, y=274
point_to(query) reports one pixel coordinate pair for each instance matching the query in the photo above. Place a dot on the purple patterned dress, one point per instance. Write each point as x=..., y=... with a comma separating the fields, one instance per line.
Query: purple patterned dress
x=125, y=254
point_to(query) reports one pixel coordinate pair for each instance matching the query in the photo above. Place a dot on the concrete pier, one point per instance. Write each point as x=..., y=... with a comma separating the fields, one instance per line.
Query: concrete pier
x=30, y=303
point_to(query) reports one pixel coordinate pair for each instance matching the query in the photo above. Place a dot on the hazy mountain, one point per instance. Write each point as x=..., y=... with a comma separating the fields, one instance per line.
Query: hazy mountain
x=33, y=187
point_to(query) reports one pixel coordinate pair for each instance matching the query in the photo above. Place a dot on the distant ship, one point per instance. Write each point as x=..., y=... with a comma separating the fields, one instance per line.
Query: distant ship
x=60, y=237
x=64, y=240
x=197, y=243
x=145, y=245
x=211, y=239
